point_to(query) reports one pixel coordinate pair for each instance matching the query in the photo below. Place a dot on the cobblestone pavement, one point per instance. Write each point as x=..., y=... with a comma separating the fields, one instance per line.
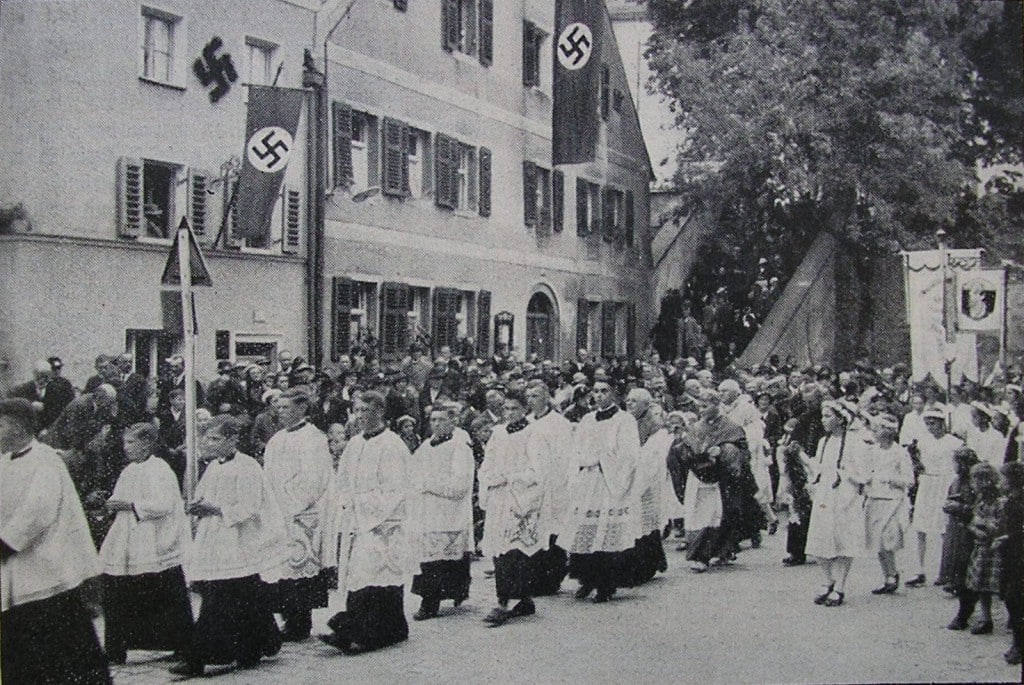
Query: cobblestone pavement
x=753, y=622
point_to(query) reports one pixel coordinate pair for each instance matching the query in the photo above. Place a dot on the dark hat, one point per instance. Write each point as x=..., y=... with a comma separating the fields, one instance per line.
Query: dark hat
x=303, y=367
x=55, y=362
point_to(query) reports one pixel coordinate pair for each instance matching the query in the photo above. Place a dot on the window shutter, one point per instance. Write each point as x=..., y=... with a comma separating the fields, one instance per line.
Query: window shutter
x=529, y=56
x=446, y=309
x=486, y=32
x=395, y=171
x=631, y=330
x=394, y=324
x=401, y=5
x=530, y=194
x=582, y=322
x=630, y=218
x=608, y=310
x=292, y=222
x=582, y=201
x=608, y=219
x=444, y=171
x=558, y=200
x=129, y=198
x=483, y=324
x=199, y=203
x=485, y=182
x=342, y=116
x=594, y=191
x=343, y=295
x=449, y=24
x=406, y=138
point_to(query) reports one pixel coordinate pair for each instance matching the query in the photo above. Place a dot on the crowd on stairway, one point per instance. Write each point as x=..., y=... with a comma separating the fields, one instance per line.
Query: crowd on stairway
x=362, y=481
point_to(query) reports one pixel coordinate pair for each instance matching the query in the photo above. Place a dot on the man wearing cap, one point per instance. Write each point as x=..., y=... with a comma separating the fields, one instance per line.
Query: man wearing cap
x=602, y=521
x=299, y=470
x=45, y=555
x=225, y=391
x=936, y=448
x=48, y=392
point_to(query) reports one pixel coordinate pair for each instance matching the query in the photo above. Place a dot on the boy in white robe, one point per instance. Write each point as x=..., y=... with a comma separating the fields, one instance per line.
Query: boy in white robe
x=299, y=469
x=239, y=535
x=146, y=603
x=46, y=552
x=442, y=471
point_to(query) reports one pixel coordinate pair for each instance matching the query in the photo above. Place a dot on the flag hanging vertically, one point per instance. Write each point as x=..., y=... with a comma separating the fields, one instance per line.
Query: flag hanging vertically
x=271, y=123
x=575, y=118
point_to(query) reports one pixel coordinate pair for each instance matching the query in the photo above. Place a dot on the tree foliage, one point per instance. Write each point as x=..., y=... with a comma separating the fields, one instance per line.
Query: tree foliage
x=868, y=119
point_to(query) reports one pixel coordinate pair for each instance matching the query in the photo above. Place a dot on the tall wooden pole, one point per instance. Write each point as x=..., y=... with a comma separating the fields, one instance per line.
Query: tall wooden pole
x=188, y=326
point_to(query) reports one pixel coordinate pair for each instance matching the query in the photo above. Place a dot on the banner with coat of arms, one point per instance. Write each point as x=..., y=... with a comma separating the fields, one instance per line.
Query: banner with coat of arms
x=980, y=298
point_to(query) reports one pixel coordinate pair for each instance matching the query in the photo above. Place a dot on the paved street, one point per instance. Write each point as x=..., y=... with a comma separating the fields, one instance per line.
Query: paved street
x=752, y=623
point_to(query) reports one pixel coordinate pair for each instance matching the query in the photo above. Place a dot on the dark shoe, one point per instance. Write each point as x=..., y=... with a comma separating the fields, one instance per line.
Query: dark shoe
x=835, y=599
x=958, y=623
x=584, y=591
x=292, y=636
x=823, y=597
x=889, y=587
x=794, y=561
x=497, y=617
x=1012, y=656
x=186, y=669
x=982, y=628
x=525, y=607
x=119, y=659
x=916, y=581
x=602, y=596
x=274, y=643
x=335, y=640
x=248, y=664
x=423, y=615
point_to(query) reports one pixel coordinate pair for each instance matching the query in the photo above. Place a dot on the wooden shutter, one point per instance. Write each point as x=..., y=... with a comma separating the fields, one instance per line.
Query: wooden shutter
x=530, y=194
x=343, y=296
x=630, y=218
x=395, y=174
x=292, y=222
x=557, y=200
x=631, y=330
x=446, y=310
x=483, y=324
x=449, y=24
x=445, y=170
x=594, y=192
x=401, y=5
x=582, y=323
x=130, y=219
x=484, y=203
x=394, y=320
x=341, y=114
x=544, y=188
x=608, y=310
x=529, y=56
x=608, y=214
x=486, y=32
x=582, y=201
x=199, y=202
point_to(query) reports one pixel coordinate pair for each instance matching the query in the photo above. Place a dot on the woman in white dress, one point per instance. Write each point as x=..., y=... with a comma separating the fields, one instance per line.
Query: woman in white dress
x=890, y=474
x=836, y=531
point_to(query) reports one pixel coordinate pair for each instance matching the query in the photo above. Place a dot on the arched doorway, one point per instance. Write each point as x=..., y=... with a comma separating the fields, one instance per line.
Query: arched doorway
x=541, y=326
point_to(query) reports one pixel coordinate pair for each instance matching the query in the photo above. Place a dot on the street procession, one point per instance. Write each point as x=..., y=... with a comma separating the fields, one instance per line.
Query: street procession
x=541, y=340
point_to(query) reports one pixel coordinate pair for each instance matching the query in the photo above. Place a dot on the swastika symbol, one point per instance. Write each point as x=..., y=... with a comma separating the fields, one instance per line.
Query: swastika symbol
x=269, y=148
x=574, y=46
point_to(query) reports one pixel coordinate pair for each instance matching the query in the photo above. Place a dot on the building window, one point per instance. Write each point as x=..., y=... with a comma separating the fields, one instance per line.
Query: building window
x=162, y=49
x=260, y=62
x=364, y=150
x=467, y=26
x=466, y=177
x=419, y=152
x=159, y=192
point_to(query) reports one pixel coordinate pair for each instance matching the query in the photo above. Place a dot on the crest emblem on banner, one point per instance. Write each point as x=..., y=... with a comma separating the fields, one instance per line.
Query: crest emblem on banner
x=980, y=300
x=574, y=46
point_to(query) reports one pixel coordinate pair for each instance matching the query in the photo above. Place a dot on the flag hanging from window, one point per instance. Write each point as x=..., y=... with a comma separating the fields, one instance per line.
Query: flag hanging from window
x=578, y=28
x=272, y=121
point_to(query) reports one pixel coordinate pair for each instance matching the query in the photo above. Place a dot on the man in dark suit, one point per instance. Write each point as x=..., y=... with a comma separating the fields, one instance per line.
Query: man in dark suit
x=174, y=379
x=48, y=392
x=172, y=433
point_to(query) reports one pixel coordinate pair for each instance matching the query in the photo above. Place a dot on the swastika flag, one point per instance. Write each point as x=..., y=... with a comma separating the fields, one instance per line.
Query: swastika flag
x=270, y=129
x=579, y=25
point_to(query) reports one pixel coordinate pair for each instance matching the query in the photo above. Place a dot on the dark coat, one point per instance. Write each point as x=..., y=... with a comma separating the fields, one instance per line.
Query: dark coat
x=58, y=394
